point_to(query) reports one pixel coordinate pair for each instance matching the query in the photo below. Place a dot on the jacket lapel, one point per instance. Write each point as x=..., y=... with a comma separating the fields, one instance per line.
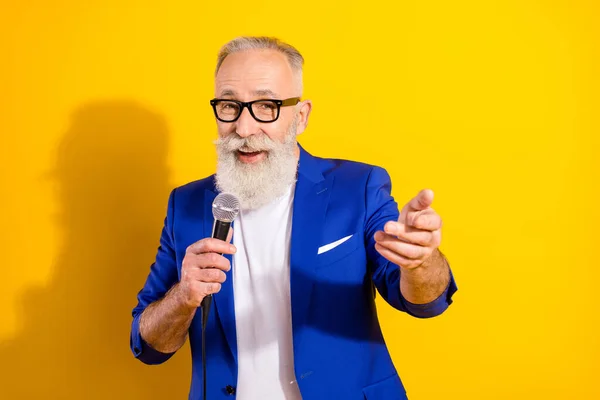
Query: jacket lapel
x=310, y=205
x=223, y=301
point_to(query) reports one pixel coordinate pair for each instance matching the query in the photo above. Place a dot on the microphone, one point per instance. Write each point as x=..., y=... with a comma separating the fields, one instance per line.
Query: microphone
x=225, y=209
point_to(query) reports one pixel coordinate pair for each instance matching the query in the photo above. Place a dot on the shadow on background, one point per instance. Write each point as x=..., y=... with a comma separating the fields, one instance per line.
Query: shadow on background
x=113, y=186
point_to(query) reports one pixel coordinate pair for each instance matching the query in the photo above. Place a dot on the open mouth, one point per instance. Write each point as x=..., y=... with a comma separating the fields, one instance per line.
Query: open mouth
x=250, y=156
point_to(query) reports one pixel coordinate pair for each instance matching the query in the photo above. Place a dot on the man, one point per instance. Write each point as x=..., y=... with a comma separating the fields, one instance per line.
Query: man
x=294, y=291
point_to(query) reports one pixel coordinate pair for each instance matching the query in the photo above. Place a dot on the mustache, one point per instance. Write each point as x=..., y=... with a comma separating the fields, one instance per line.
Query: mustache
x=252, y=143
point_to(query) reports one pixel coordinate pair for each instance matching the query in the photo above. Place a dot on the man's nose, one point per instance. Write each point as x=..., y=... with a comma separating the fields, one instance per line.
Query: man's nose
x=246, y=125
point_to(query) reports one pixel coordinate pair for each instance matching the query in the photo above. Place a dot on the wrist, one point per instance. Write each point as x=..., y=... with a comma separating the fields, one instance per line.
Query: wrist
x=177, y=298
x=435, y=262
x=183, y=301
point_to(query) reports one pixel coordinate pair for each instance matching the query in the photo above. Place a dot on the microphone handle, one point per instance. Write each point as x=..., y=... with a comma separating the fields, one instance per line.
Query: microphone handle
x=220, y=231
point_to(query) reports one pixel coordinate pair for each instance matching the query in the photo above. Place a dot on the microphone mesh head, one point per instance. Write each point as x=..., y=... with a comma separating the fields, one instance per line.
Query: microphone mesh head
x=225, y=207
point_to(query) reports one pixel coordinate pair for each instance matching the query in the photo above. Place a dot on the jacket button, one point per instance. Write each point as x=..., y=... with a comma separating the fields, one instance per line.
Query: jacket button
x=230, y=390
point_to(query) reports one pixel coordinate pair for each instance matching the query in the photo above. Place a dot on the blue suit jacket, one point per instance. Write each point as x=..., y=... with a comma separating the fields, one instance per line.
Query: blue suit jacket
x=339, y=350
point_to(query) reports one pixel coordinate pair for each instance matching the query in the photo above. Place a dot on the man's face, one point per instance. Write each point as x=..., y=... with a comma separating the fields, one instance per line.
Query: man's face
x=259, y=74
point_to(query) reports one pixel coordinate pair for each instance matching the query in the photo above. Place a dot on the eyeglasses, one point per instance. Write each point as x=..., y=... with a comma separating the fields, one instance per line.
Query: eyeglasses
x=265, y=110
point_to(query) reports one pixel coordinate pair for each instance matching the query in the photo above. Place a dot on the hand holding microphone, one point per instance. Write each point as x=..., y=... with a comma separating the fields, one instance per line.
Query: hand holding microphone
x=204, y=266
x=203, y=269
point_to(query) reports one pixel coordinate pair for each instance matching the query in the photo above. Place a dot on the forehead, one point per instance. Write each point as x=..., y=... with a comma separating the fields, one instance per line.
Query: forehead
x=254, y=71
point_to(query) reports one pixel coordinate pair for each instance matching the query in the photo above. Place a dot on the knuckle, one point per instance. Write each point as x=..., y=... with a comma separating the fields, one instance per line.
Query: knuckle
x=423, y=222
x=204, y=260
x=405, y=250
x=209, y=275
x=211, y=244
x=185, y=275
x=215, y=275
x=194, y=247
x=200, y=246
x=204, y=275
x=191, y=247
x=185, y=264
x=430, y=222
x=205, y=245
x=429, y=239
x=436, y=240
x=412, y=252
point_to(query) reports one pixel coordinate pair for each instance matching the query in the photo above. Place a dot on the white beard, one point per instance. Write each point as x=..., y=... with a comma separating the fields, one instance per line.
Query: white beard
x=258, y=184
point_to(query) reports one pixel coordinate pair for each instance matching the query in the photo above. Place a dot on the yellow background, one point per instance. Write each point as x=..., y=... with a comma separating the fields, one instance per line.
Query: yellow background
x=492, y=104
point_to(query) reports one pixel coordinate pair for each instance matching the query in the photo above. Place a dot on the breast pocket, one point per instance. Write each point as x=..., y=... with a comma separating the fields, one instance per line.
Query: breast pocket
x=332, y=252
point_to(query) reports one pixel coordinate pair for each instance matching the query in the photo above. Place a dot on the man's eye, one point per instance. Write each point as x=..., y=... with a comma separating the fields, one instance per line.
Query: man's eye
x=267, y=106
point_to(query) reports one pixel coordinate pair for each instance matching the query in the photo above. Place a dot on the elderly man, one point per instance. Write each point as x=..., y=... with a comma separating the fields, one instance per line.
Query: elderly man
x=316, y=239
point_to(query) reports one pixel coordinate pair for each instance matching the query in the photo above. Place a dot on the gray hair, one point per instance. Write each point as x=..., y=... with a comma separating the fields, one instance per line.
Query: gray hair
x=244, y=43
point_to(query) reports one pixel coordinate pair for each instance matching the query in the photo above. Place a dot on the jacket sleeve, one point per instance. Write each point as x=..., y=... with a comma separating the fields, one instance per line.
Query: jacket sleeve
x=382, y=208
x=163, y=275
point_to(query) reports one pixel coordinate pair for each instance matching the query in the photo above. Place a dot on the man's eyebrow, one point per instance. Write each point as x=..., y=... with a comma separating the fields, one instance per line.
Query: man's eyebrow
x=257, y=93
x=227, y=92
x=265, y=92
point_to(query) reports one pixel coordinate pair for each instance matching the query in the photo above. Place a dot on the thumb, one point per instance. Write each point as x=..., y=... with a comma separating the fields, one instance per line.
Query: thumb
x=421, y=201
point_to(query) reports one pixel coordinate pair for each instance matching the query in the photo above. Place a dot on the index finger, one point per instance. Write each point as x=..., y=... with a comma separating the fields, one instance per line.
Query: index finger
x=421, y=201
x=211, y=245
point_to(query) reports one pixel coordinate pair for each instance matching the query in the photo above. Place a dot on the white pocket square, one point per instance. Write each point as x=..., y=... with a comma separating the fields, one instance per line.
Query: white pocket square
x=333, y=245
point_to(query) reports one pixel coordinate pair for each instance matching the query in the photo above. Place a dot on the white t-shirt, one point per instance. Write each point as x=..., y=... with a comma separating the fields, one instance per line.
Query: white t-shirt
x=261, y=287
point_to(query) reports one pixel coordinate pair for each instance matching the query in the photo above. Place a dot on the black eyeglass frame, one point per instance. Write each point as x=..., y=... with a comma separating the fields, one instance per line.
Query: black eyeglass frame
x=292, y=101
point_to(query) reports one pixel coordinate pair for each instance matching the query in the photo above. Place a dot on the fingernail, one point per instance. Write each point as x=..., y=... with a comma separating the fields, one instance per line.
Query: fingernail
x=232, y=249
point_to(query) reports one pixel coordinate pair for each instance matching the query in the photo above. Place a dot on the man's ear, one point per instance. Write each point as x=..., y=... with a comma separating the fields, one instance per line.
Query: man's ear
x=303, y=114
